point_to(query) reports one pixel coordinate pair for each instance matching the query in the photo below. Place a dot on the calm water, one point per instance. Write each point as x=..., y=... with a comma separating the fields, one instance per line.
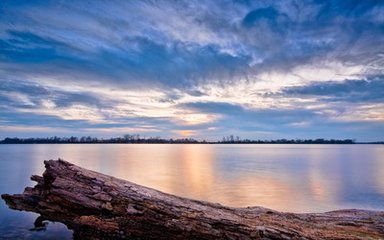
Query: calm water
x=297, y=178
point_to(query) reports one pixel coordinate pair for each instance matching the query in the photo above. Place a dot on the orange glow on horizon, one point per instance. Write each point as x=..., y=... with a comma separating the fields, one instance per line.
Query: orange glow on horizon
x=186, y=133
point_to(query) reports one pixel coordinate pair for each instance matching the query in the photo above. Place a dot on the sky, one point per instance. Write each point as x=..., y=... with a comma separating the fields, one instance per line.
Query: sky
x=198, y=69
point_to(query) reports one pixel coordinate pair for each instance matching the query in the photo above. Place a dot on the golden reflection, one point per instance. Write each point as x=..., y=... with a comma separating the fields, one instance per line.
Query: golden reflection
x=190, y=171
x=151, y=166
x=266, y=191
x=322, y=188
x=197, y=170
x=184, y=170
x=203, y=172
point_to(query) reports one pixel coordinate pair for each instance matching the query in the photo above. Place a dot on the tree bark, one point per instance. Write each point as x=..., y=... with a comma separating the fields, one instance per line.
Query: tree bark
x=98, y=206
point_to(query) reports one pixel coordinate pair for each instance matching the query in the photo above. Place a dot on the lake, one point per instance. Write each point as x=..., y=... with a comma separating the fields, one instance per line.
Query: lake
x=294, y=178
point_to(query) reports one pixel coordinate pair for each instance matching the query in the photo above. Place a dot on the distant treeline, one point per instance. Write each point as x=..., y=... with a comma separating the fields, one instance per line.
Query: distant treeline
x=135, y=138
x=292, y=141
x=93, y=140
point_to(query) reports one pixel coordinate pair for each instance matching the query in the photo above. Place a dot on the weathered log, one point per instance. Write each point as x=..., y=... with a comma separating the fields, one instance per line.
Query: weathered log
x=96, y=206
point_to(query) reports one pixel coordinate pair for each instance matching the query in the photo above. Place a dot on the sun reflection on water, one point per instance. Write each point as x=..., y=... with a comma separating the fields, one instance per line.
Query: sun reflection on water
x=288, y=178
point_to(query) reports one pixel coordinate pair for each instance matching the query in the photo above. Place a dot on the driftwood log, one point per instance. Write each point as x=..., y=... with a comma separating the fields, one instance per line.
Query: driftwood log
x=97, y=206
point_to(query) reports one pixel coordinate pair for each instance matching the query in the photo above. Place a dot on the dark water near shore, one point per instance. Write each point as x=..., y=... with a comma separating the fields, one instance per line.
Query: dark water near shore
x=296, y=178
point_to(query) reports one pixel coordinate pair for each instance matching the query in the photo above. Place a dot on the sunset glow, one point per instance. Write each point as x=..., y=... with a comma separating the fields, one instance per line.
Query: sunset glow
x=202, y=69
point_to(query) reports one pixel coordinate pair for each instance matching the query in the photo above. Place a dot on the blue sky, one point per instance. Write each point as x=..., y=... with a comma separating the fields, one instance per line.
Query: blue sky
x=201, y=69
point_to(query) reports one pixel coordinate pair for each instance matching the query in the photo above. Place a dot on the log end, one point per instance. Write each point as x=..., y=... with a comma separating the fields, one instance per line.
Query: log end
x=55, y=163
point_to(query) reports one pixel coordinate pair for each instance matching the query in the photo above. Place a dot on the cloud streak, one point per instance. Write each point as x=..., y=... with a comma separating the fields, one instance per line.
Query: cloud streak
x=261, y=69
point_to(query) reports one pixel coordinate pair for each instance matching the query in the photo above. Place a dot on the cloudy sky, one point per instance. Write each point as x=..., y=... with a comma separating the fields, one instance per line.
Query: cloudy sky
x=201, y=69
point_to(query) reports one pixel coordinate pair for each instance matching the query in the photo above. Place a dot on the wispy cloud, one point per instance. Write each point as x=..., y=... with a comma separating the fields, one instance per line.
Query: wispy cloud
x=283, y=68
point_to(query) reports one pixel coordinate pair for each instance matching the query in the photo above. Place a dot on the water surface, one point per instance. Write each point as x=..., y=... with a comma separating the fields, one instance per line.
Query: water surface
x=295, y=178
